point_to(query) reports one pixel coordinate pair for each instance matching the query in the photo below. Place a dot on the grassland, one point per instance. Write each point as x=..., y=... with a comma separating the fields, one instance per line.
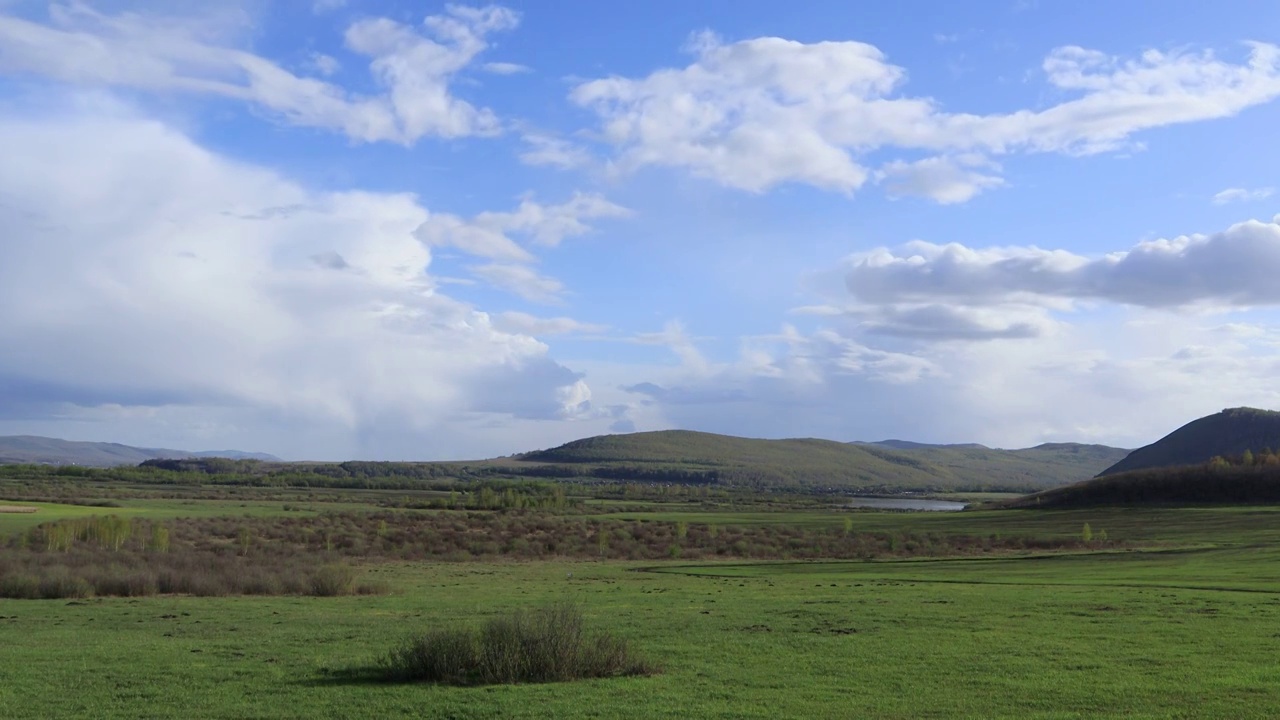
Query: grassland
x=1177, y=620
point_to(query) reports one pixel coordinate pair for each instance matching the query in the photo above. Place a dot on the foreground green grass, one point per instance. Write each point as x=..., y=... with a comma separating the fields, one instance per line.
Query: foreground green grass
x=1167, y=634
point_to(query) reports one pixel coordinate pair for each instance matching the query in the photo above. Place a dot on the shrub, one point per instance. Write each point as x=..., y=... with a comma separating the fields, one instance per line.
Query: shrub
x=549, y=644
x=19, y=587
x=61, y=585
x=332, y=580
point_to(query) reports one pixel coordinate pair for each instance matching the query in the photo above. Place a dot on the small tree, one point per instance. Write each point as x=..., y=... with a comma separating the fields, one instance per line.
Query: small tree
x=848, y=526
x=159, y=538
x=1087, y=533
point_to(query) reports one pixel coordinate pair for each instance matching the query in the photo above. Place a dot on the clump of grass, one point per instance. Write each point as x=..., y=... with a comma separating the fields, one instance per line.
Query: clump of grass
x=550, y=644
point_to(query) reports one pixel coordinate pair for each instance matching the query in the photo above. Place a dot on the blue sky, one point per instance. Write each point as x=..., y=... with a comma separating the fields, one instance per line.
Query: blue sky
x=415, y=230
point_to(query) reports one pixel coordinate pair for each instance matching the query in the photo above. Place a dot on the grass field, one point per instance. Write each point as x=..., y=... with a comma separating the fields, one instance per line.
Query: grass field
x=166, y=509
x=1187, y=627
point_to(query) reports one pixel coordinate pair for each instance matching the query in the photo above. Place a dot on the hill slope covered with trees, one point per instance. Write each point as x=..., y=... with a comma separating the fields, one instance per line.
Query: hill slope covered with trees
x=707, y=457
x=1226, y=434
x=1246, y=479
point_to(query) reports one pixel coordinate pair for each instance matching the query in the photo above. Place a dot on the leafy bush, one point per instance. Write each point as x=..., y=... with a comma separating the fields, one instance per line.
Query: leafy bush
x=333, y=580
x=549, y=644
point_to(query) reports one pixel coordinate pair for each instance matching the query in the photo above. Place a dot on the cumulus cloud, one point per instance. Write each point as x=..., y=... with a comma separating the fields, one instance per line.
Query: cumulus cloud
x=143, y=271
x=413, y=68
x=1234, y=195
x=928, y=292
x=761, y=112
x=1123, y=381
x=1234, y=267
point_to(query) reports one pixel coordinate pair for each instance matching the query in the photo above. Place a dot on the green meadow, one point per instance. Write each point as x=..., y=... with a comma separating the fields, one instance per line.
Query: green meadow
x=164, y=509
x=1180, y=618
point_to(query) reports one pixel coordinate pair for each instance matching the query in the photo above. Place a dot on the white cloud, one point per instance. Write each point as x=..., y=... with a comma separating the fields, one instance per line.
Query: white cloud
x=143, y=271
x=761, y=112
x=675, y=337
x=488, y=234
x=525, y=324
x=1124, y=382
x=505, y=68
x=550, y=150
x=1232, y=195
x=523, y=281
x=413, y=70
x=946, y=180
x=1235, y=267
x=324, y=64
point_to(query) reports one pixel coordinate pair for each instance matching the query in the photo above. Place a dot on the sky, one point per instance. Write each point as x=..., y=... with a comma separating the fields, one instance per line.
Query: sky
x=412, y=230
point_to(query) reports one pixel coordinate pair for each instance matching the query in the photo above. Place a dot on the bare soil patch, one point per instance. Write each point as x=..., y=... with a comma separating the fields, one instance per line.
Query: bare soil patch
x=16, y=509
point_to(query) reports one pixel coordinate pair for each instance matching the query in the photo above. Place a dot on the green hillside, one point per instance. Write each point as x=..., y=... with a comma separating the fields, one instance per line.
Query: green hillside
x=688, y=456
x=1225, y=434
x=1042, y=466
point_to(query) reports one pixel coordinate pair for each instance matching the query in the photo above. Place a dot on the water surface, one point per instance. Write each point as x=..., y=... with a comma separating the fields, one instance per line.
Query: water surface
x=906, y=504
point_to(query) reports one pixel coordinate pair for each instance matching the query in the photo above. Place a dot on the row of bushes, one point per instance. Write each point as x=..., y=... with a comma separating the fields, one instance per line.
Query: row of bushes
x=138, y=568
x=524, y=535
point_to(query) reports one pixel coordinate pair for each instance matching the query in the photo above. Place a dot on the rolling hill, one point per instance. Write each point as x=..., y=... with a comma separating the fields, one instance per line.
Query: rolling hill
x=689, y=456
x=1228, y=433
x=52, y=451
x=1043, y=465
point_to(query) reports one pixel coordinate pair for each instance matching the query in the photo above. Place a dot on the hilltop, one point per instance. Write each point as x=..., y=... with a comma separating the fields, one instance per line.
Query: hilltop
x=669, y=456
x=1225, y=434
x=707, y=457
x=52, y=451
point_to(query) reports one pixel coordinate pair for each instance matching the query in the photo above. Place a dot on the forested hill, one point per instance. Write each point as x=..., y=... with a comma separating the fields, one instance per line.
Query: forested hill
x=1225, y=434
x=673, y=456
x=1046, y=465
x=1241, y=480
x=52, y=451
x=825, y=463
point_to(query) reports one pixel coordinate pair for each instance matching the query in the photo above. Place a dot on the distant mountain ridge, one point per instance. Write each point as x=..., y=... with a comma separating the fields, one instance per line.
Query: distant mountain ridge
x=893, y=465
x=910, y=445
x=1227, y=433
x=53, y=451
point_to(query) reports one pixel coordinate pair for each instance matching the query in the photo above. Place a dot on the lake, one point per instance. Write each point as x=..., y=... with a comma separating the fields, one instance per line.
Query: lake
x=906, y=504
